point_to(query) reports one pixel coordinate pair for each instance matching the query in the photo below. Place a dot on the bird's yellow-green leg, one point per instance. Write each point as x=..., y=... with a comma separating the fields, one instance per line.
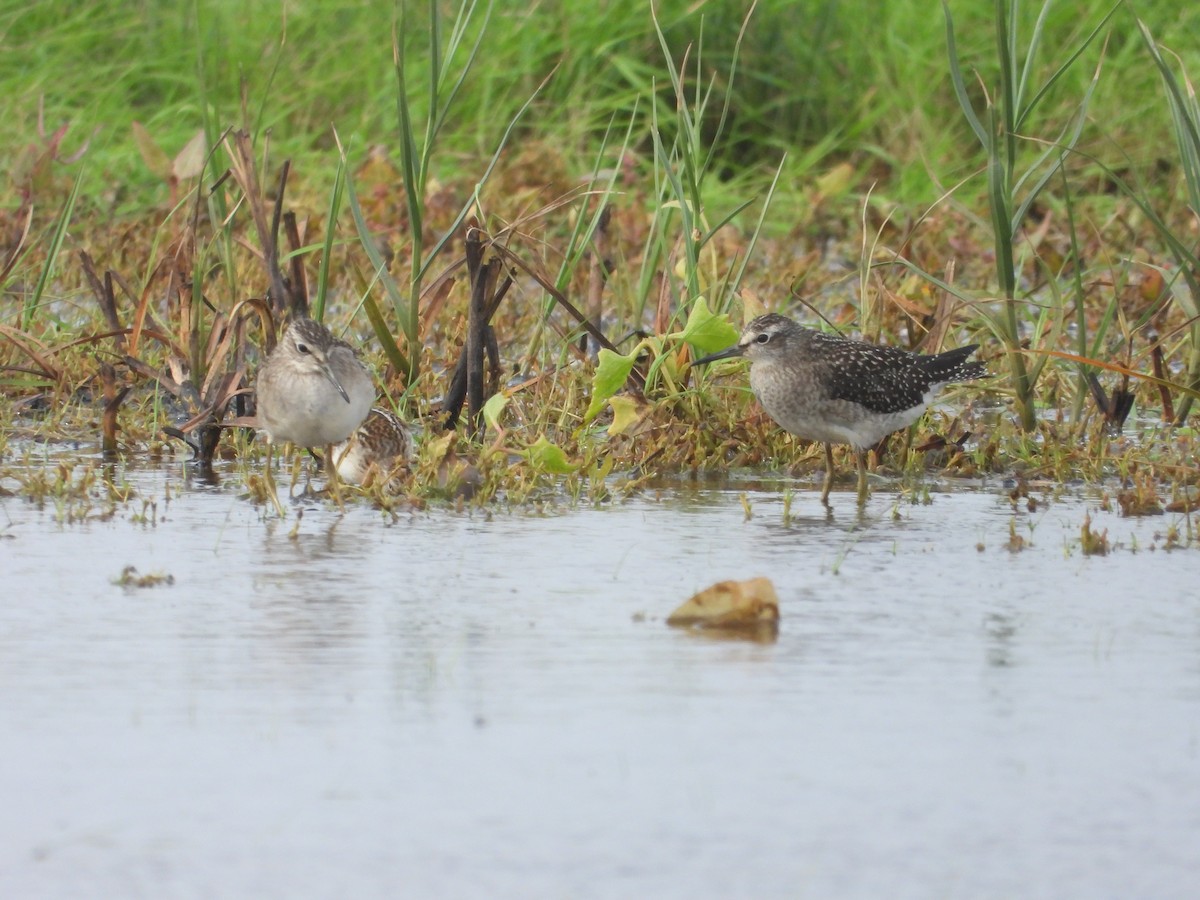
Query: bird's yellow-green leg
x=861, y=456
x=828, y=476
x=331, y=473
x=269, y=479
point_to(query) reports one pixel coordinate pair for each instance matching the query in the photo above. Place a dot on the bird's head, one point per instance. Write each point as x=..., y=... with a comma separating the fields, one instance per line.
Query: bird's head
x=762, y=339
x=309, y=344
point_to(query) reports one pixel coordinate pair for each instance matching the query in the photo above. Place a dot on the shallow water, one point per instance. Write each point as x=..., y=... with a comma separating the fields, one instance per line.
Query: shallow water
x=462, y=705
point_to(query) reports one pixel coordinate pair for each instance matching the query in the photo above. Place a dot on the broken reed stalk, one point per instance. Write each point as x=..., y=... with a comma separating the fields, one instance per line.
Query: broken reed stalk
x=479, y=332
x=483, y=277
x=299, y=282
x=1114, y=409
x=468, y=383
x=105, y=296
x=478, y=274
x=1160, y=372
x=113, y=398
x=226, y=355
x=456, y=394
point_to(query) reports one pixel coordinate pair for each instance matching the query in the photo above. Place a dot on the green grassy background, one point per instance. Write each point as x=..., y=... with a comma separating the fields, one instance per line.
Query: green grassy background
x=823, y=81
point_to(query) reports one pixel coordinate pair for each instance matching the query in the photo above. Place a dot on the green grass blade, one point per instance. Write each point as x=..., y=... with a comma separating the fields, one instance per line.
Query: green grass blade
x=1035, y=40
x=1184, y=116
x=32, y=301
x=1067, y=63
x=419, y=273
x=1053, y=154
x=331, y=220
x=409, y=155
x=728, y=99
x=380, y=271
x=379, y=325
x=740, y=274
x=447, y=101
x=721, y=223
x=958, y=83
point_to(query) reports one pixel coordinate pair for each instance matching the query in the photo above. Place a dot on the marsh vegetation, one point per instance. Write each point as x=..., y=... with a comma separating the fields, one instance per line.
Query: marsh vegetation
x=539, y=218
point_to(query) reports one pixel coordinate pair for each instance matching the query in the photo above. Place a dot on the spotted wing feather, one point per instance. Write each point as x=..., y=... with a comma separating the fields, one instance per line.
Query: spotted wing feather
x=887, y=379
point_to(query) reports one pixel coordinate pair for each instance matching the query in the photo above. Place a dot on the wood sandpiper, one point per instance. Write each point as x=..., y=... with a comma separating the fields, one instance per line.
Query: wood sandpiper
x=312, y=391
x=827, y=388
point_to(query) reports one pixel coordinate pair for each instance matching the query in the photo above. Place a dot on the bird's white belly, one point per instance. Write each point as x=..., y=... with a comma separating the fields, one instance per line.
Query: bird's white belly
x=865, y=431
x=314, y=415
x=788, y=402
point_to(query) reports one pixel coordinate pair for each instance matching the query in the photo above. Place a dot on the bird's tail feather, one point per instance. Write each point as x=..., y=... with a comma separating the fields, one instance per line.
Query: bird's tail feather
x=954, y=365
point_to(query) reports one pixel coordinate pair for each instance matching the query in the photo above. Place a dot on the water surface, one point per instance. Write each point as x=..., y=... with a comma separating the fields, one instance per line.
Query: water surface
x=462, y=705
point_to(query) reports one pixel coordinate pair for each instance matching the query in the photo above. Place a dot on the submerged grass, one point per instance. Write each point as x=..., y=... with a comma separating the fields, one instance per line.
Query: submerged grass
x=651, y=177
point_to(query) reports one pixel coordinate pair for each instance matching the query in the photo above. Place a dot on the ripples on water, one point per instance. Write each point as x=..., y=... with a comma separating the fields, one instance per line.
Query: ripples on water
x=455, y=704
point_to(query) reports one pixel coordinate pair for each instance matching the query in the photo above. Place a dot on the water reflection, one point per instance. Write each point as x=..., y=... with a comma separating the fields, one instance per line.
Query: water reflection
x=1001, y=629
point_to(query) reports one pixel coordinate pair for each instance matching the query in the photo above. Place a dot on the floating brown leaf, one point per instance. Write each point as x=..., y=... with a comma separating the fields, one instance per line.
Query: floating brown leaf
x=731, y=604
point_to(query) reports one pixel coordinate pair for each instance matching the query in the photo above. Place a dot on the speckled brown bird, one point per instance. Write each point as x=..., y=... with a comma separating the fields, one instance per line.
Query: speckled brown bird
x=823, y=387
x=378, y=448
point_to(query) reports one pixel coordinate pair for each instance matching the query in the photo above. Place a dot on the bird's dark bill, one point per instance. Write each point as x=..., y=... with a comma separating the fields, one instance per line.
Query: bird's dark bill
x=333, y=379
x=728, y=352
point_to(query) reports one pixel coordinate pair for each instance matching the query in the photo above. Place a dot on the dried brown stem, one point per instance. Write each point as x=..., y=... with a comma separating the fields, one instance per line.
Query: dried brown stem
x=1114, y=409
x=113, y=398
x=299, y=283
x=483, y=278
x=244, y=172
x=457, y=392
x=1160, y=372
x=105, y=295
x=26, y=344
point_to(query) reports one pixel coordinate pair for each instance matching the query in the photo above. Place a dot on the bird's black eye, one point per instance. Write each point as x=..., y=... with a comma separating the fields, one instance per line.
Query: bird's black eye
x=763, y=337
x=302, y=347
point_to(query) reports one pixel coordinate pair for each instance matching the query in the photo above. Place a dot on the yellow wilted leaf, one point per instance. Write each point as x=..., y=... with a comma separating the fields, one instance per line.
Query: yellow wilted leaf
x=629, y=414
x=440, y=446
x=836, y=181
